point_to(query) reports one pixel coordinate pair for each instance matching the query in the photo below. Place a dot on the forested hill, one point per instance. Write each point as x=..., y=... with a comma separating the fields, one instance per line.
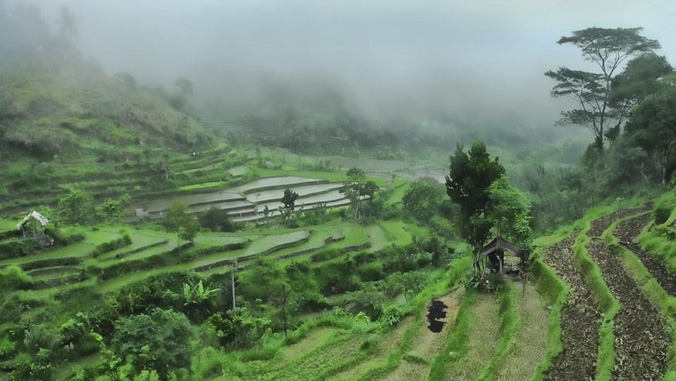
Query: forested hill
x=54, y=102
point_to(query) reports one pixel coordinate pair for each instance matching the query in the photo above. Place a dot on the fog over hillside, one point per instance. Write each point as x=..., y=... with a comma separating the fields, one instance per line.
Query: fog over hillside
x=449, y=61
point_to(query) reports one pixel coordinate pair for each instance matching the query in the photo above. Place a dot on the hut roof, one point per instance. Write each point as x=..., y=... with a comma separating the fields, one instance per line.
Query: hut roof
x=500, y=243
x=35, y=215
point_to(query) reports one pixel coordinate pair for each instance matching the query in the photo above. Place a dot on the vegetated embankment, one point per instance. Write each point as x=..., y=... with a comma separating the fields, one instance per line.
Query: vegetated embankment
x=627, y=233
x=641, y=339
x=579, y=319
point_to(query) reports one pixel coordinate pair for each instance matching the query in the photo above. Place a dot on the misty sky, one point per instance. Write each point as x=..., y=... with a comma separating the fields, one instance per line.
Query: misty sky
x=378, y=58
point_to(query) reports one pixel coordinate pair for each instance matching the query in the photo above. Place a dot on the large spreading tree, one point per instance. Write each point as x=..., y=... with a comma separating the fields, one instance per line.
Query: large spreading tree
x=608, y=49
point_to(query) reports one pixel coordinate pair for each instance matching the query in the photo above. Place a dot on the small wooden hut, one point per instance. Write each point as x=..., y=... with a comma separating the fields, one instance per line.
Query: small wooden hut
x=33, y=225
x=497, y=250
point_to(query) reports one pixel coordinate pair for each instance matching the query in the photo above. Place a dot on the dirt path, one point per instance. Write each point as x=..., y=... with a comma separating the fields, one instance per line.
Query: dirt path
x=627, y=232
x=579, y=319
x=531, y=341
x=428, y=344
x=641, y=339
x=599, y=225
x=484, y=335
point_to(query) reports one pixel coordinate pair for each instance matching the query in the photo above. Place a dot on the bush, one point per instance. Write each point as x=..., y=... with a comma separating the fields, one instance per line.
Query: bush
x=392, y=315
x=106, y=247
x=14, y=278
x=492, y=283
x=661, y=214
x=371, y=272
x=325, y=255
x=18, y=247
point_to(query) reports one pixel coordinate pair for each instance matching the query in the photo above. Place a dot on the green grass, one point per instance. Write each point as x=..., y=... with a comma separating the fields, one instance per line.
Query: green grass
x=531, y=344
x=510, y=324
x=657, y=242
x=398, y=194
x=8, y=224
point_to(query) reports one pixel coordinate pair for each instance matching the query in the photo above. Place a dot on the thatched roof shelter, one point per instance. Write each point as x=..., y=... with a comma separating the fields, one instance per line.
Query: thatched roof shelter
x=33, y=216
x=495, y=251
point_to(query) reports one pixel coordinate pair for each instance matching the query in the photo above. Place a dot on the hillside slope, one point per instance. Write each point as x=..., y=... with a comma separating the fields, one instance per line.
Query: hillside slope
x=54, y=102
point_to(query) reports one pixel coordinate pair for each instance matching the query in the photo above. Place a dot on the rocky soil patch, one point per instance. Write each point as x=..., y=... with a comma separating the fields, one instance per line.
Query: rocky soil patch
x=641, y=339
x=627, y=233
x=580, y=319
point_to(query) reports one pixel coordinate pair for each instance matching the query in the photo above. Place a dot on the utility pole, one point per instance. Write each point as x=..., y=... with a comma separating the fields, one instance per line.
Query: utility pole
x=285, y=293
x=232, y=277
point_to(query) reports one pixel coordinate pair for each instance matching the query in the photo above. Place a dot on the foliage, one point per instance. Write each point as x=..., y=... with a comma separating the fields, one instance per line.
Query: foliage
x=158, y=340
x=218, y=220
x=110, y=211
x=77, y=207
x=608, y=49
x=423, y=199
x=13, y=277
x=289, y=199
x=653, y=128
x=179, y=221
x=357, y=188
x=18, y=247
x=107, y=247
x=263, y=280
x=41, y=337
x=509, y=213
x=661, y=214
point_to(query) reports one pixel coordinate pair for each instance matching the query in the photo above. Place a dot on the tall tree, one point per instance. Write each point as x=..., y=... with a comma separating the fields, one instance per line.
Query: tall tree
x=607, y=48
x=509, y=213
x=77, y=207
x=653, y=128
x=640, y=78
x=182, y=223
x=289, y=199
x=467, y=184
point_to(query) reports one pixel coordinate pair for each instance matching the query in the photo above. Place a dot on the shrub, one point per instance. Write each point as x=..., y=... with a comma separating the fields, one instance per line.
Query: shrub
x=14, y=278
x=325, y=255
x=392, y=315
x=661, y=214
x=371, y=272
x=18, y=247
x=7, y=348
x=106, y=247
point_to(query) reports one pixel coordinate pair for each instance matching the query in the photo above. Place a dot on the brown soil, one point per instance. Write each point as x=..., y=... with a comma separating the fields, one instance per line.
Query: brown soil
x=579, y=319
x=641, y=341
x=626, y=233
x=599, y=225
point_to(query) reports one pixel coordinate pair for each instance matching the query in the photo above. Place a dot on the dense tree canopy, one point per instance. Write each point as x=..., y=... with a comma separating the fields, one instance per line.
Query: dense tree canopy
x=179, y=221
x=155, y=341
x=471, y=175
x=653, y=128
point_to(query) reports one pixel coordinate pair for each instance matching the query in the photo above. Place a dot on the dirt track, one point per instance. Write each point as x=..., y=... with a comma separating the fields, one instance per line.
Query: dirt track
x=627, y=232
x=641, y=340
x=579, y=319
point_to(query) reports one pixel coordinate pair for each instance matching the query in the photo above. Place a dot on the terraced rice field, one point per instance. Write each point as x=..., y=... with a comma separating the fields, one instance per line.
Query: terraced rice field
x=248, y=202
x=530, y=346
x=482, y=341
x=580, y=319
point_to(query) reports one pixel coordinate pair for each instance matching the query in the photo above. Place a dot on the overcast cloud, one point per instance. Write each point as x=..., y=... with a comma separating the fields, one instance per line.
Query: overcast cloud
x=453, y=59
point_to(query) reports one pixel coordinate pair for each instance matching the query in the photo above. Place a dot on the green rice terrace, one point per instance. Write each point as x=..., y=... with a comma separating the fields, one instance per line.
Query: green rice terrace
x=388, y=197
